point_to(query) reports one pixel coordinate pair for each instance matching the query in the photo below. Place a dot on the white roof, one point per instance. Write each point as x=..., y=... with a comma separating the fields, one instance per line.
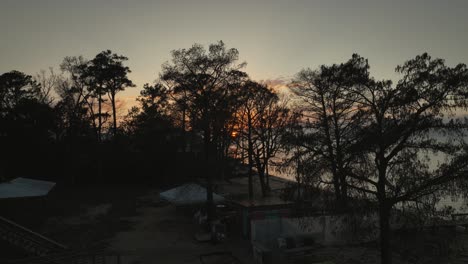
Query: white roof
x=24, y=187
x=189, y=193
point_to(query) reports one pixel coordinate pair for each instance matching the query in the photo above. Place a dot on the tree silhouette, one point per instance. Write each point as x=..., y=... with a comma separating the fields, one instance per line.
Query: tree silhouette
x=14, y=87
x=26, y=122
x=73, y=107
x=248, y=118
x=331, y=118
x=404, y=121
x=107, y=75
x=149, y=124
x=261, y=121
x=375, y=138
x=48, y=81
x=208, y=82
x=152, y=111
x=276, y=119
x=19, y=94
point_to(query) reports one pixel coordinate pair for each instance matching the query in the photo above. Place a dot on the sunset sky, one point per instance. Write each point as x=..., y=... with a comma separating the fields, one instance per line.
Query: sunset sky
x=276, y=38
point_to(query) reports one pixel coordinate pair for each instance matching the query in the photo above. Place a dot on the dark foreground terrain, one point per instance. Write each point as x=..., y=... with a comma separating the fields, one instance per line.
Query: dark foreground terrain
x=132, y=221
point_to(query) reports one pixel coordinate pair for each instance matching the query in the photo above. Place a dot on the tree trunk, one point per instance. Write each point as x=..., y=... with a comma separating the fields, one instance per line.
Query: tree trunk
x=384, y=211
x=249, y=153
x=209, y=178
x=114, y=115
x=337, y=186
x=184, y=139
x=331, y=152
x=99, y=116
x=99, y=136
x=344, y=191
x=265, y=166
x=384, y=220
x=224, y=162
x=261, y=175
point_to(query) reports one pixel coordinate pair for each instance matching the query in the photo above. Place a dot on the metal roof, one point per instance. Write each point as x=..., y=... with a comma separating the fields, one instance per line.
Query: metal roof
x=188, y=194
x=24, y=187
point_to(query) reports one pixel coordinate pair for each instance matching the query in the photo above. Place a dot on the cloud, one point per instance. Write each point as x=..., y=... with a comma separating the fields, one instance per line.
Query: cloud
x=125, y=103
x=278, y=84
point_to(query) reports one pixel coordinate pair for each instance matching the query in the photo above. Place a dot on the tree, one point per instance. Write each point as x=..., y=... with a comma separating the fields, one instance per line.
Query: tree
x=26, y=122
x=76, y=111
x=17, y=91
x=48, y=81
x=248, y=118
x=154, y=100
x=149, y=124
x=207, y=81
x=331, y=118
x=152, y=111
x=74, y=107
x=261, y=123
x=403, y=129
x=275, y=120
x=107, y=74
x=14, y=87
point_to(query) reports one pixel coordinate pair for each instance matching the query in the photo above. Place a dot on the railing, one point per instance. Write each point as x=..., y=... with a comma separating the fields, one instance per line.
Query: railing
x=219, y=257
x=26, y=239
x=84, y=256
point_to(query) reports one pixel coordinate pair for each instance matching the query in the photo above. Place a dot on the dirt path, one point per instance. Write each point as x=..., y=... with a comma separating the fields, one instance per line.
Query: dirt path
x=163, y=234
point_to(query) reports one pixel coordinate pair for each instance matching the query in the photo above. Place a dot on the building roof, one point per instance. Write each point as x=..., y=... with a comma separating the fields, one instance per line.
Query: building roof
x=187, y=194
x=24, y=187
x=262, y=202
x=238, y=188
x=237, y=191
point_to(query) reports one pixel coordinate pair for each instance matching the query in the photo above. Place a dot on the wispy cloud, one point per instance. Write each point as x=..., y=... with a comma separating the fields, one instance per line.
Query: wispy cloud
x=125, y=103
x=278, y=84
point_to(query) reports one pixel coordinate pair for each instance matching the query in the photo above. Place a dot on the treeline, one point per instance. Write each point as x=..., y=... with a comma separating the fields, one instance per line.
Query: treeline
x=201, y=112
x=337, y=127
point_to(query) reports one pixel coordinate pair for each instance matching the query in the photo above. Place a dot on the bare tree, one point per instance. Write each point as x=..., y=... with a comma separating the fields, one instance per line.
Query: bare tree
x=402, y=132
x=331, y=118
x=48, y=81
x=208, y=83
x=271, y=131
x=75, y=102
x=261, y=121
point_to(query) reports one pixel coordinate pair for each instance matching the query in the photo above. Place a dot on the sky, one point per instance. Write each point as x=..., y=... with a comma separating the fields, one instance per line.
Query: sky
x=276, y=38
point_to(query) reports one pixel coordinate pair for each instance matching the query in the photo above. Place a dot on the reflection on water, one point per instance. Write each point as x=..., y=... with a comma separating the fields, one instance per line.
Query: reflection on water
x=434, y=160
x=460, y=204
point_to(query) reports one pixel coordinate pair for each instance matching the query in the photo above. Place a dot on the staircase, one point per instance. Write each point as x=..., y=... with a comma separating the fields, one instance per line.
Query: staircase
x=47, y=251
x=26, y=239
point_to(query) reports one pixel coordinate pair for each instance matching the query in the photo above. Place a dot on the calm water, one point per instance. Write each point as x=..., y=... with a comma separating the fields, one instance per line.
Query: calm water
x=460, y=204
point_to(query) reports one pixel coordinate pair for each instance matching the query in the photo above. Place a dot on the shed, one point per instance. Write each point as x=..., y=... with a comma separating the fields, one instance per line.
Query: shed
x=25, y=187
x=259, y=209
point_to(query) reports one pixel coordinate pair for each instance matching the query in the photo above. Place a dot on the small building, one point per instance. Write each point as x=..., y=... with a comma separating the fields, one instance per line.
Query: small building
x=236, y=194
x=25, y=187
x=21, y=196
x=258, y=209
